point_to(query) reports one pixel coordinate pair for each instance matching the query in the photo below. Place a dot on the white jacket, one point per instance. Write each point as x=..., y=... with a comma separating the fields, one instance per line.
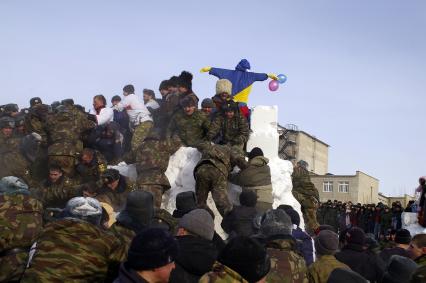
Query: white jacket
x=105, y=116
x=135, y=108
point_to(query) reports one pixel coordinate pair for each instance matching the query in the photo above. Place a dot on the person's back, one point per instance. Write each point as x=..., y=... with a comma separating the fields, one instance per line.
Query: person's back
x=353, y=254
x=73, y=249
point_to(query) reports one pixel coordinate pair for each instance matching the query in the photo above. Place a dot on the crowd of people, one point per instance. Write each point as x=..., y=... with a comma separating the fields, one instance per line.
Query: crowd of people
x=66, y=217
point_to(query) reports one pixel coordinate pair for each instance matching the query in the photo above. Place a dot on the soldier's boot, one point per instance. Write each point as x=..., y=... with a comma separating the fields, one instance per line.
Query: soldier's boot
x=141, y=132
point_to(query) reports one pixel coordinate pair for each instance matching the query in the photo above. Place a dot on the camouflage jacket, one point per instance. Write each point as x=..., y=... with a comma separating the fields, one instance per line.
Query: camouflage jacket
x=20, y=224
x=222, y=157
x=302, y=183
x=13, y=162
x=190, y=129
x=65, y=129
x=117, y=198
x=152, y=160
x=286, y=264
x=73, y=250
x=320, y=270
x=8, y=144
x=56, y=195
x=35, y=121
x=234, y=131
x=124, y=234
x=222, y=274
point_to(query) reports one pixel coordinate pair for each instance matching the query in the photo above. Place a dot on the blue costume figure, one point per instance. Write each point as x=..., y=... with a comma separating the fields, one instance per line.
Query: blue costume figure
x=241, y=80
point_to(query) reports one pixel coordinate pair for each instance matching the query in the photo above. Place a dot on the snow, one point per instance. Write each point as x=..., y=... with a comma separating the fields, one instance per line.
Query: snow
x=409, y=222
x=264, y=135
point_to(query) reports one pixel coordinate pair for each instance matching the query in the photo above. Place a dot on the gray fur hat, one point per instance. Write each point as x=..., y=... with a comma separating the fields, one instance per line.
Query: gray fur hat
x=275, y=222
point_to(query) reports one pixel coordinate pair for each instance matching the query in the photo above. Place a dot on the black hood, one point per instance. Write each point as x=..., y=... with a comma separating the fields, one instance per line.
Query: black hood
x=196, y=255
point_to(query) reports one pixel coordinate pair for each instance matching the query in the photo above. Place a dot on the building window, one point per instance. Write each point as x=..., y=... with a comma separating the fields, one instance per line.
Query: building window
x=343, y=187
x=327, y=187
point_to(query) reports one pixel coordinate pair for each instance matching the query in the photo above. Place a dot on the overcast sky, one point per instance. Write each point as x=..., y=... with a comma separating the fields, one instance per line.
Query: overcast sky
x=356, y=69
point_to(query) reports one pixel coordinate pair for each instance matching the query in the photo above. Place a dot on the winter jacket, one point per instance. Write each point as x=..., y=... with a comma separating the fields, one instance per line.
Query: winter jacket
x=239, y=221
x=368, y=265
x=304, y=244
x=128, y=276
x=222, y=274
x=196, y=257
x=321, y=269
x=104, y=115
x=256, y=174
x=386, y=254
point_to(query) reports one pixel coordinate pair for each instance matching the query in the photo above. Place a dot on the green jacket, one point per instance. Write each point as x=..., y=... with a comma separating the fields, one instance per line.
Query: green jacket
x=191, y=129
x=320, y=270
x=222, y=274
x=233, y=132
x=256, y=174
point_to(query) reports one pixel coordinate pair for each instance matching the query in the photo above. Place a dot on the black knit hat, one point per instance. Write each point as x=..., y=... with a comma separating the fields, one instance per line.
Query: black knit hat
x=35, y=100
x=256, y=151
x=185, y=80
x=247, y=257
x=129, y=89
x=151, y=249
x=403, y=236
x=326, y=243
x=355, y=236
x=248, y=198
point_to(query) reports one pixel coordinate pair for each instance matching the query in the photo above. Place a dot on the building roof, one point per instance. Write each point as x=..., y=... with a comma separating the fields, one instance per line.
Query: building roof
x=314, y=138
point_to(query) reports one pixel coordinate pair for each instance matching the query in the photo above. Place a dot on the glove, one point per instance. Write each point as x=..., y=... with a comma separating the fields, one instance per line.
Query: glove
x=205, y=69
x=273, y=77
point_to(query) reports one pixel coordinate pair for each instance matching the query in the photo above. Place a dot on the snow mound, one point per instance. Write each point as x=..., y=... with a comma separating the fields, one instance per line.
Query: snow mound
x=410, y=222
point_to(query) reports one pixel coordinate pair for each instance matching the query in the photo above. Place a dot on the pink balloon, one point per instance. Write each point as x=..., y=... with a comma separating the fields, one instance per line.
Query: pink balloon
x=273, y=85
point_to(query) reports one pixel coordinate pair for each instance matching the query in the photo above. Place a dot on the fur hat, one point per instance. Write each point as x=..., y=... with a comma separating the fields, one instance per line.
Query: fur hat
x=247, y=257
x=151, y=249
x=326, y=243
x=85, y=208
x=198, y=222
x=256, y=151
x=129, y=89
x=185, y=202
x=140, y=207
x=275, y=222
x=35, y=100
x=12, y=185
x=223, y=86
x=185, y=80
x=248, y=198
x=403, y=236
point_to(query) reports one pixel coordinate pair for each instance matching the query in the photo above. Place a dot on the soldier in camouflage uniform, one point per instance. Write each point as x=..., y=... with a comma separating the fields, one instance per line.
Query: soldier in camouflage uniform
x=82, y=251
x=189, y=124
x=65, y=129
x=12, y=162
x=242, y=260
x=20, y=222
x=91, y=165
x=229, y=127
x=115, y=189
x=35, y=121
x=211, y=174
x=306, y=194
x=152, y=160
x=287, y=265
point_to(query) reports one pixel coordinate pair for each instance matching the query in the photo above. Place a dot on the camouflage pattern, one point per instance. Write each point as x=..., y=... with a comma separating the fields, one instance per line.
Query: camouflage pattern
x=320, y=270
x=116, y=199
x=56, y=195
x=222, y=274
x=35, y=121
x=65, y=129
x=152, y=160
x=12, y=162
x=123, y=234
x=233, y=131
x=191, y=129
x=208, y=178
x=73, y=250
x=163, y=218
x=141, y=132
x=20, y=224
x=92, y=171
x=307, y=195
x=286, y=264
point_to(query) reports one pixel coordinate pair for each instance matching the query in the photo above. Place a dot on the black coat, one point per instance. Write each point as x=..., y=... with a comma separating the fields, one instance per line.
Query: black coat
x=386, y=254
x=196, y=257
x=239, y=221
x=128, y=276
x=367, y=264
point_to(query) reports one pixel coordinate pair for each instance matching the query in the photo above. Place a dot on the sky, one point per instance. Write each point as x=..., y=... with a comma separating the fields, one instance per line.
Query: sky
x=356, y=69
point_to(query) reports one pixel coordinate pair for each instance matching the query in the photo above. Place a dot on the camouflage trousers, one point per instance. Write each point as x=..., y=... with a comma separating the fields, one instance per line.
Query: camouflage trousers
x=12, y=266
x=157, y=192
x=309, y=209
x=67, y=163
x=209, y=179
x=141, y=132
